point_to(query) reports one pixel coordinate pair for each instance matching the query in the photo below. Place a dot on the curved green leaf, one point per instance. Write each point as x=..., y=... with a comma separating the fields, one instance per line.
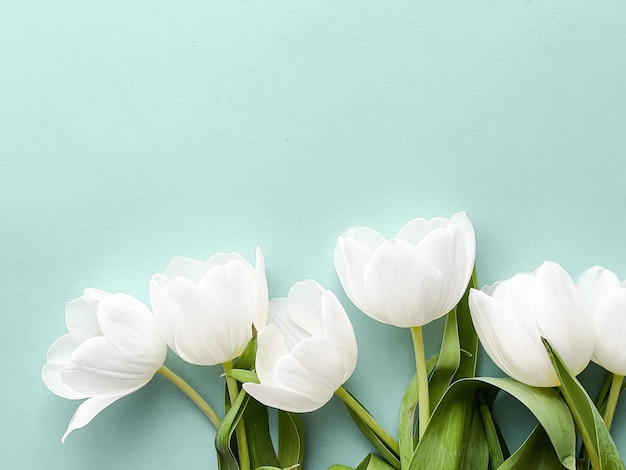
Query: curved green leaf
x=468, y=339
x=226, y=458
x=448, y=362
x=260, y=447
x=290, y=440
x=535, y=452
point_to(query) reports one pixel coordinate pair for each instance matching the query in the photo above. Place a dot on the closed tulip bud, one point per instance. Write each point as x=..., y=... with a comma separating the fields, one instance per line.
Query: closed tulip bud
x=606, y=301
x=413, y=278
x=512, y=316
x=306, y=352
x=205, y=311
x=112, y=348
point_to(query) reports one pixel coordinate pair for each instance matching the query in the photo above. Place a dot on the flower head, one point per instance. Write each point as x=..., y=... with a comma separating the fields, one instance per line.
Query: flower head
x=606, y=300
x=112, y=348
x=413, y=278
x=512, y=316
x=205, y=311
x=306, y=352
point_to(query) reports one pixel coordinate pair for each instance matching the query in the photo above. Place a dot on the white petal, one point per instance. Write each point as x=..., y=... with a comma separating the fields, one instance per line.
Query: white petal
x=58, y=358
x=131, y=328
x=350, y=259
x=610, y=332
x=220, y=259
x=595, y=283
x=88, y=411
x=403, y=287
x=369, y=239
x=340, y=332
x=271, y=348
x=279, y=316
x=164, y=318
x=277, y=397
x=185, y=267
x=93, y=296
x=562, y=317
x=313, y=369
x=97, y=369
x=304, y=304
x=415, y=230
x=80, y=316
x=509, y=343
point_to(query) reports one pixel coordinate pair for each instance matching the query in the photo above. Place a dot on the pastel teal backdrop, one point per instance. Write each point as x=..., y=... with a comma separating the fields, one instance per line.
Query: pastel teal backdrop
x=132, y=132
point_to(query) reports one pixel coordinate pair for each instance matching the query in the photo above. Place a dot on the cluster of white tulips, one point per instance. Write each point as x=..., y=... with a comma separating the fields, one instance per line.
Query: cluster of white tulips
x=295, y=353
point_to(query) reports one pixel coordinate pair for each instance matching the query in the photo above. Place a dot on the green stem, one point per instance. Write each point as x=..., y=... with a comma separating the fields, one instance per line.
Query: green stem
x=240, y=430
x=368, y=419
x=192, y=394
x=616, y=385
x=422, y=379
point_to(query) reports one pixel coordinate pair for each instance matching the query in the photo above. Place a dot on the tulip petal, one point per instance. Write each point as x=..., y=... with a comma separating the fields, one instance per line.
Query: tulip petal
x=164, y=317
x=185, y=267
x=88, y=411
x=97, y=368
x=610, y=332
x=280, y=317
x=220, y=259
x=415, y=230
x=403, y=287
x=281, y=398
x=339, y=330
x=58, y=358
x=303, y=303
x=562, y=317
x=595, y=283
x=271, y=348
x=314, y=368
x=80, y=316
x=510, y=344
x=130, y=327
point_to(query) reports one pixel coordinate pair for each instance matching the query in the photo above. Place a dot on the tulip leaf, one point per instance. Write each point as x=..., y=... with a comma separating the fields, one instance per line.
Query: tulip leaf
x=468, y=339
x=494, y=445
x=339, y=467
x=290, y=440
x=596, y=438
x=371, y=462
x=447, y=440
x=448, y=362
x=243, y=375
x=226, y=458
x=247, y=357
x=406, y=423
x=260, y=447
x=535, y=452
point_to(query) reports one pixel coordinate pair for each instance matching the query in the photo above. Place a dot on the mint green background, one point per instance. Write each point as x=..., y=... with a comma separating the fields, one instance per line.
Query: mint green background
x=131, y=132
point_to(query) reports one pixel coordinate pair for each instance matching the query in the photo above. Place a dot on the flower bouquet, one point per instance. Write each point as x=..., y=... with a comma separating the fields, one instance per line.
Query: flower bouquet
x=295, y=353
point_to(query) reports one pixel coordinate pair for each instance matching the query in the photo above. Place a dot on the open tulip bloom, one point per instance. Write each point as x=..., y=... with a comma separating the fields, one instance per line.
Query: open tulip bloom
x=112, y=348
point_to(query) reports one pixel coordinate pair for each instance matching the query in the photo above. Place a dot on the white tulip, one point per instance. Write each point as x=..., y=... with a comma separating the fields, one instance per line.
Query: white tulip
x=606, y=300
x=413, y=278
x=205, y=311
x=306, y=352
x=512, y=316
x=112, y=349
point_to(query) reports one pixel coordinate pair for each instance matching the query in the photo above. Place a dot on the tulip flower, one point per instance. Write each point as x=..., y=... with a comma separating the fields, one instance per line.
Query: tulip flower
x=413, y=278
x=306, y=352
x=205, y=311
x=606, y=301
x=112, y=348
x=512, y=316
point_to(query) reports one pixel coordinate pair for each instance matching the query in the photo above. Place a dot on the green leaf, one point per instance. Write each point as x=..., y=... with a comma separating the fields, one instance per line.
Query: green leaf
x=290, y=439
x=406, y=423
x=371, y=462
x=496, y=455
x=339, y=467
x=448, y=362
x=596, y=438
x=468, y=339
x=247, y=357
x=243, y=375
x=446, y=442
x=260, y=447
x=226, y=457
x=535, y=452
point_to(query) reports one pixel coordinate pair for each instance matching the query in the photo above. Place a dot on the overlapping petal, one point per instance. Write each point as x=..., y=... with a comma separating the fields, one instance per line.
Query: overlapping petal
x=306, y=352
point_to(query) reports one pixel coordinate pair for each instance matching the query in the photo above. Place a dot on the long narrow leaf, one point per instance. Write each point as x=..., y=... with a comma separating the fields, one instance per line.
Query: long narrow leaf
x=596, y=437
x=448, y=362
x=260, y=447
x=290, y=440
x=468, y=339
x=535, y=452
x=226, y=457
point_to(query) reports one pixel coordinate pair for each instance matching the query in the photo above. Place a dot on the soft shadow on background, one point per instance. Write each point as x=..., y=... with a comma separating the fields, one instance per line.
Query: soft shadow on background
x=133, y=133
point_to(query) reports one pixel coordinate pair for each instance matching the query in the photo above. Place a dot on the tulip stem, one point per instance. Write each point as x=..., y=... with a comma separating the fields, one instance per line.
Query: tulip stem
x=240, y=430
x=616, y=386
x=422, y=379
x=368, y=419
x=192, y=394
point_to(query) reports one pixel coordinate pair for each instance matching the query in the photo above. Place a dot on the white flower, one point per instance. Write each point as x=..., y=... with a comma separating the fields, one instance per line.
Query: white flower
x=112, y=349
x=413, y=278
x=306, y=352
x=606, y=300
x=512, y=316
x=205, y=311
